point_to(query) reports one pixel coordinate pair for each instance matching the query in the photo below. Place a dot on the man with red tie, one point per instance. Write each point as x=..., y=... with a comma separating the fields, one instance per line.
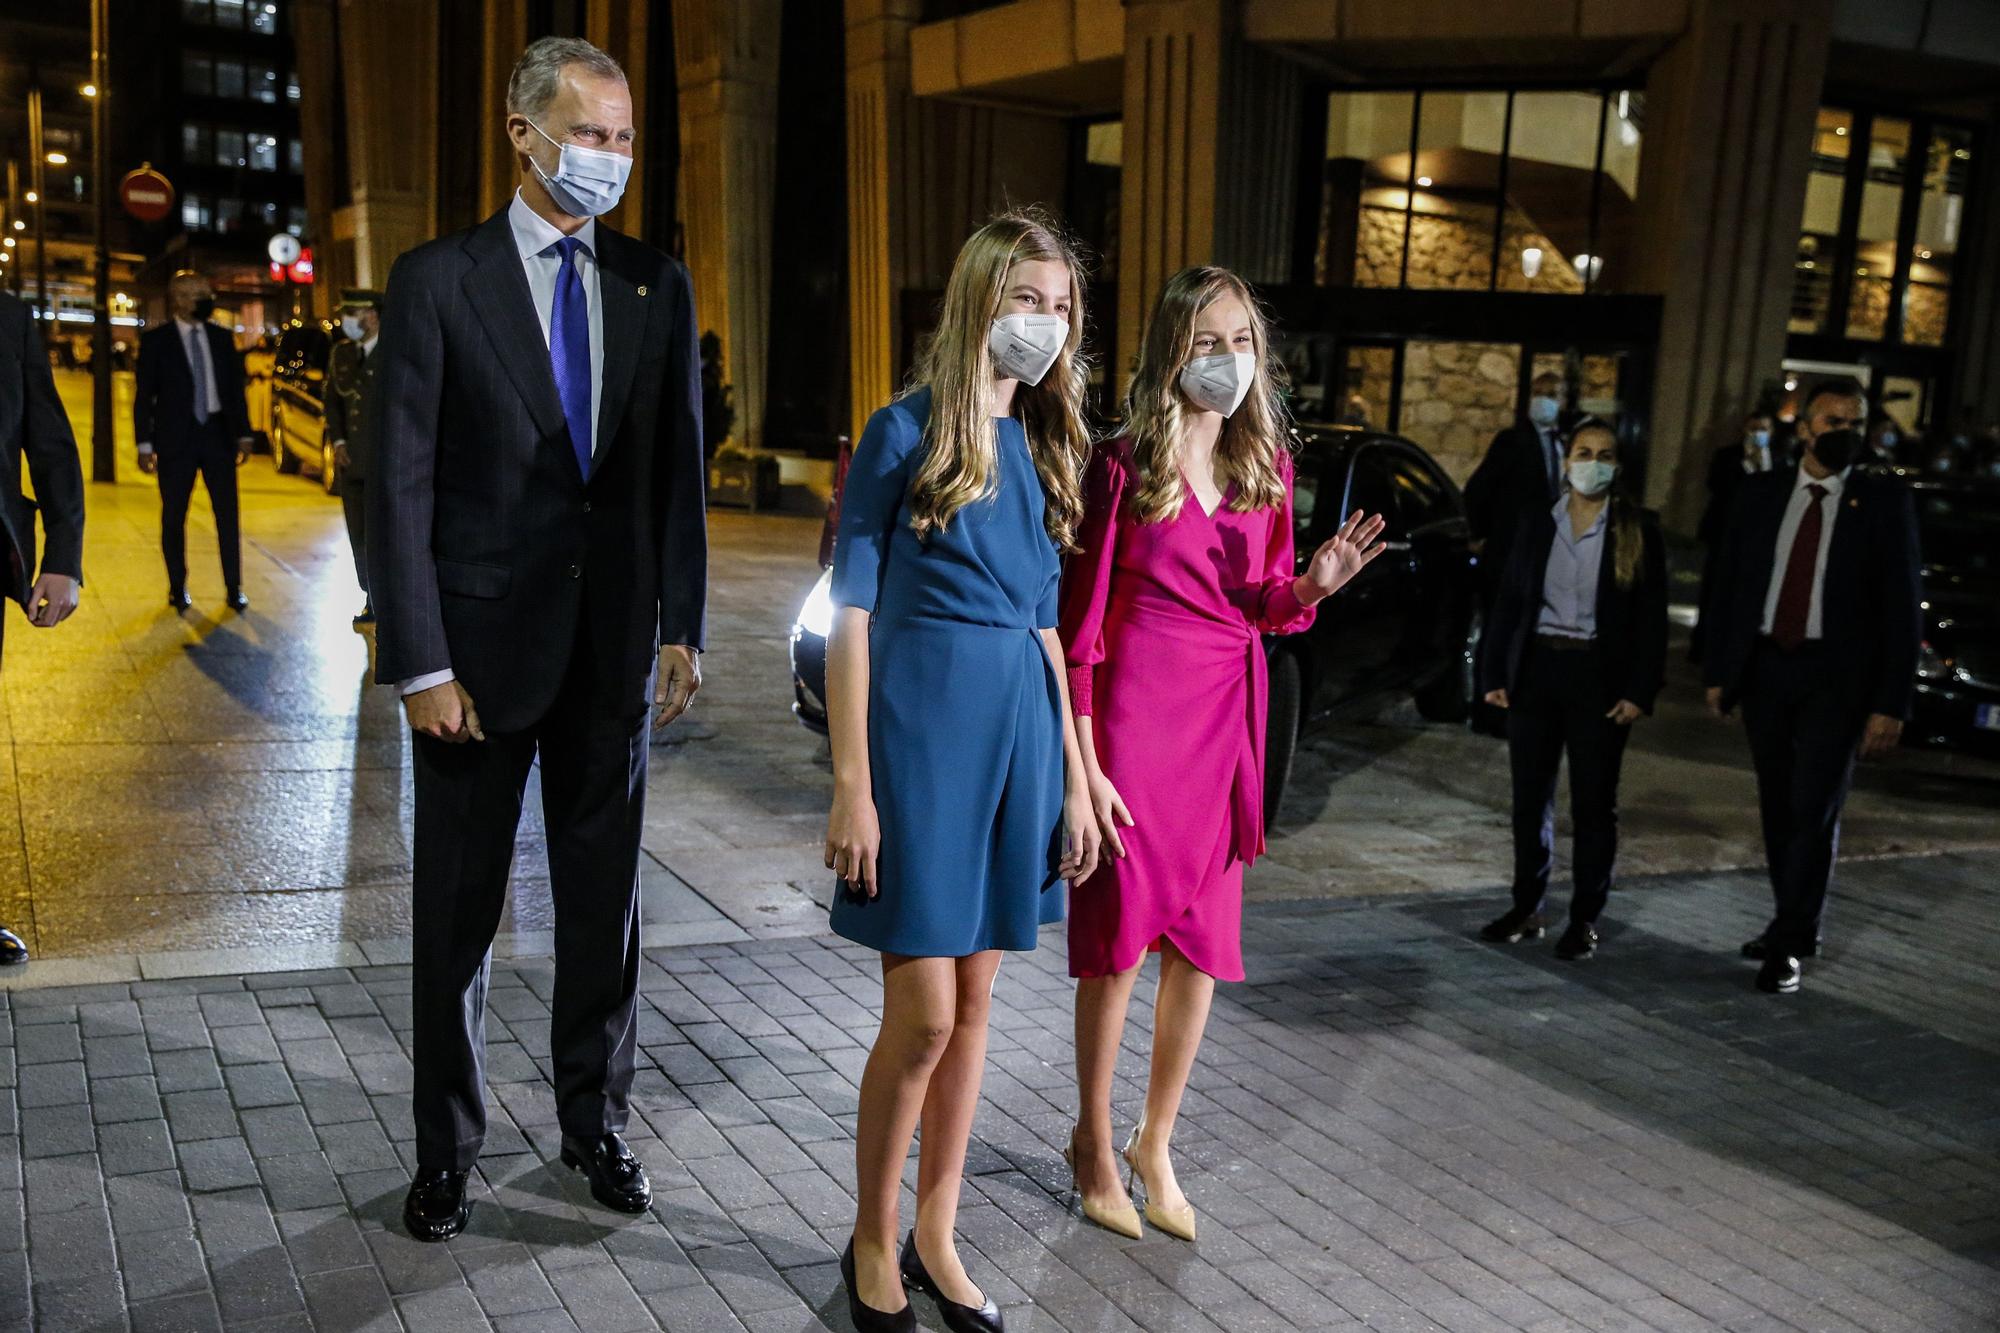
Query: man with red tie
x=1818, y=624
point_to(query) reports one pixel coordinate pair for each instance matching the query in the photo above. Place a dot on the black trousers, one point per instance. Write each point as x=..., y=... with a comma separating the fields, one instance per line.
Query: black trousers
x=468, y=804
x=1560, y=708
x=211, y=453
x=1805, y=727
x=354, y=503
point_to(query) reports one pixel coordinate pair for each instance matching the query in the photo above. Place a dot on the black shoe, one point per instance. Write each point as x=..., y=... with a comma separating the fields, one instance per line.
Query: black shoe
x=367, y=617
x=12, y=951
x=616, y=1178
x=868, y=1319
x=237, y=601
x=436, y=1208
x=1513, y=927
x=1759, y=949
x=1577, y=943
x=1779, y=975
x=178, y=599
x=958, y=1318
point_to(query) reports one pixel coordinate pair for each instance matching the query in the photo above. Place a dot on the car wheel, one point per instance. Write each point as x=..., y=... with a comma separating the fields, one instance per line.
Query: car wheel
x=281, y=448
x=329, y=475
x=1449, y=698
x=1281, y=730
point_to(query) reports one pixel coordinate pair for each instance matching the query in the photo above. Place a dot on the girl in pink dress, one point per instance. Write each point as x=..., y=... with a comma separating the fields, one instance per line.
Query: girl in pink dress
x=1185, y=560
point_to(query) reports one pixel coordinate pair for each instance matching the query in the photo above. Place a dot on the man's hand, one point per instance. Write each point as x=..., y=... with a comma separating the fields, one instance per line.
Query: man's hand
x=444, y=712
x=51, y=600
x=341, y=457
x=243, y=450
x=149, y=462
x=1715, y=705
x=1882, y=734
x=1625, y=712
x=1498, y=698
x=678, y=680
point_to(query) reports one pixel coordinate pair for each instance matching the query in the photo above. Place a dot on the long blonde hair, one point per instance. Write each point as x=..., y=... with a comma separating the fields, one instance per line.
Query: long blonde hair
x=960, y=463
x=1247, y=451
x=1628, y=536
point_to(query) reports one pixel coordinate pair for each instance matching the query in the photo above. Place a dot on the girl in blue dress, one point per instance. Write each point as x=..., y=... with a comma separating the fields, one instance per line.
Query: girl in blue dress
x=959, y=804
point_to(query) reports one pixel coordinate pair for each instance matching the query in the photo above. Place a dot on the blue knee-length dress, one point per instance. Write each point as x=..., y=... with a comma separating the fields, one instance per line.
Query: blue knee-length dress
x=965, y=740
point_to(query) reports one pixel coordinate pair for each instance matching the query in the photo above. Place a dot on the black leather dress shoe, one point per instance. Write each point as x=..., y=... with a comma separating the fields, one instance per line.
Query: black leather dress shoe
x=1577, y=943
x=1512, y=927
x=178, y=599
x=436, y=1208
x=868, y=1319
x=958, y=1318
x=237, y=601
x=616, y=1178
x=12, y=951
x=1760, y=949
x=1779, y=975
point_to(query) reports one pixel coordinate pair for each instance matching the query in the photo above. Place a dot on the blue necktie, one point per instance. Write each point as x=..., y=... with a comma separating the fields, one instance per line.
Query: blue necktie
x=569, y=349
x=200, y=375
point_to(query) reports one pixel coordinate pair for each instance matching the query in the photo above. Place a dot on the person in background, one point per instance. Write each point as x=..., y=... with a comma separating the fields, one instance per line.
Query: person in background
x=34, y=430
x=1576, y=653
x=1753, y=451
x=1818, y=621
x=350, y=382
x=190, y=417
x=1885, y=441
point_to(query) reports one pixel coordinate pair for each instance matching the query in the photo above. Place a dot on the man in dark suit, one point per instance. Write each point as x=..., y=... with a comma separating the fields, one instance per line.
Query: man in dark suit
x=537, y=558
x=1519, y=478
x=1755, y=450
x=1817, y=623
x=34, y=427
x=350, y=383
x=190, y=417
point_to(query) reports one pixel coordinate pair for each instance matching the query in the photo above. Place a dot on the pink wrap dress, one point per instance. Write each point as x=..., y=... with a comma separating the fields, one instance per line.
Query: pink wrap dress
x=1161, y=627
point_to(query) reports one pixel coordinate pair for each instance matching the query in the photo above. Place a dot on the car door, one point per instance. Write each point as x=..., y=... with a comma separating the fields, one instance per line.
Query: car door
x=1359, y=660
x=1423, y=562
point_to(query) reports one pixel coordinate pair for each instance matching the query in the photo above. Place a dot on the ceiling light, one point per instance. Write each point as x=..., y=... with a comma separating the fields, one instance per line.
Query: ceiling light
x=58, y=159
x=1424, y=181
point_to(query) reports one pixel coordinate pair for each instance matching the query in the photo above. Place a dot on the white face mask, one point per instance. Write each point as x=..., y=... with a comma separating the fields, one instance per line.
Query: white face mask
x=352, y=327
x=1025, y=346
x=1220, y=382
x=1591, y=476
x=588, y=181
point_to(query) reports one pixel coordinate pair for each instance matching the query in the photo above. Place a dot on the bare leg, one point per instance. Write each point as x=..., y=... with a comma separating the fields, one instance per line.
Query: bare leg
x=949, y=1105
x=1101, y=1004
x=919, y=997
x=1180, y=1014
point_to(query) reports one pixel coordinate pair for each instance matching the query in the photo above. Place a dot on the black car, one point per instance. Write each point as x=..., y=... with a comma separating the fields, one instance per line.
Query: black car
x=1958, y=672
x=1407, y=624
x=298, y=393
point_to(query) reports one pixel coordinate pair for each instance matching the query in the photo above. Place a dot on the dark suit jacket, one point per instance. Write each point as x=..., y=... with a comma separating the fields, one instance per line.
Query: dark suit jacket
x=1510, y=486
x=33, y=426
x=163, y=401
x=350, y=380
x=486, y=549
x=1871, y=602
x=1631, y=643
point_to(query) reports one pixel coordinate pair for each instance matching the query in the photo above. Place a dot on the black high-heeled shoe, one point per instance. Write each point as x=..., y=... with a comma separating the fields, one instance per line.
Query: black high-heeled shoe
x=868, y=1319
x=958, y=1318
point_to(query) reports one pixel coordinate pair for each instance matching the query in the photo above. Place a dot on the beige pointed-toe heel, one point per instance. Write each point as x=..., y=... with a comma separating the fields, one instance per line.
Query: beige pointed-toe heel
x=1118, y=1218
x=1176, y=1222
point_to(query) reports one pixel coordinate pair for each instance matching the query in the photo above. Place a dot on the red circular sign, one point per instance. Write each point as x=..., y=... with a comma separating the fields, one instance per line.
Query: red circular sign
x=146, y=194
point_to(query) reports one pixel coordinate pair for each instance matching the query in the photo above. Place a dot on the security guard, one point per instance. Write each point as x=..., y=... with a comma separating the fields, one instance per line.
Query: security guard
x=350, y=380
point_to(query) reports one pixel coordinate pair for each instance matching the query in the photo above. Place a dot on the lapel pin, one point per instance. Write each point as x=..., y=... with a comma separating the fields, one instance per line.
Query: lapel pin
x=1854, y=503
x=642, y=289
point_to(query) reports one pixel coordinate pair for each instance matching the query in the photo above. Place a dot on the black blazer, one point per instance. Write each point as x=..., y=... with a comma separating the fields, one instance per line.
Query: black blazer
x=163, y=400
x=1510, y=486
x=486, y=549
x=33, y=426
x=1631, y=643
x=1871, y=608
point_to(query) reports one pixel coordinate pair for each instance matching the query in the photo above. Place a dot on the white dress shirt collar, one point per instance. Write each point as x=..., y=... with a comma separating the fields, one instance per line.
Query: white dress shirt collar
x=533, y=233
x=1830, y=484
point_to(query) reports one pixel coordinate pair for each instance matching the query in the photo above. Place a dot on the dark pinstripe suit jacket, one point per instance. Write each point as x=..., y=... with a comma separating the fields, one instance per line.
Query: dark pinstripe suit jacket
x=487, y=551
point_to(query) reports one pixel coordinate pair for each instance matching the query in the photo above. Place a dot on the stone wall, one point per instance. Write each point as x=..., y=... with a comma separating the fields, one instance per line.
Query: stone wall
x=1456, y=396
x=1455, y=252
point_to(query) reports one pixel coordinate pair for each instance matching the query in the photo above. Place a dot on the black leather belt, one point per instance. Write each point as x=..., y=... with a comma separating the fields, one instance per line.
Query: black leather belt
x=1562, y=643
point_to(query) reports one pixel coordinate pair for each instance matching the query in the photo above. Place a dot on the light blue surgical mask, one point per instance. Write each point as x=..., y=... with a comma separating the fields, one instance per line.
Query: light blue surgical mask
x=1591, y=476
x=1761, y=438
x=588, y=181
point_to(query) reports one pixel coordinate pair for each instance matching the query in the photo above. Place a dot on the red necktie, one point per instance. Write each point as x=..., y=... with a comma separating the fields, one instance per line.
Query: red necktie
x=1788, y=625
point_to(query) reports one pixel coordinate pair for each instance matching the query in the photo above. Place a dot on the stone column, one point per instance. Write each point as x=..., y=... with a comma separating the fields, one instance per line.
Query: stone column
x=1730, y=110
x=623, y=29
x=506, y=36
x=726, y=54
x=880, y=111
x=316, y=44
x=385, y=46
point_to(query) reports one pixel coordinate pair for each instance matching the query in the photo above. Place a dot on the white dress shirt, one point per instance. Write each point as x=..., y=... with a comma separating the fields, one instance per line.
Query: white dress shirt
x=1569, y=579
x=533, y=235
x=1795, y=513
x=204, y=357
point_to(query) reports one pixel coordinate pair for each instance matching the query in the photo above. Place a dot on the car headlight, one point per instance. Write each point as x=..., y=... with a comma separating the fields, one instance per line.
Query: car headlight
x=816, y=616
x=1932, y=664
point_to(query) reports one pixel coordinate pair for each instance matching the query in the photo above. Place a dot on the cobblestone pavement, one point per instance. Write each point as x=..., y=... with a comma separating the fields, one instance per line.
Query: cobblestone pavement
x=1392, y=1127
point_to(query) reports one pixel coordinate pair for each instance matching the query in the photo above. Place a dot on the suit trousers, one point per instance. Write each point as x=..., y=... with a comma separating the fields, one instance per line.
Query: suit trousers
x=1805, y=723
x=354, y=503
x=1559, y=708
x=210, y=452
x=468, y=803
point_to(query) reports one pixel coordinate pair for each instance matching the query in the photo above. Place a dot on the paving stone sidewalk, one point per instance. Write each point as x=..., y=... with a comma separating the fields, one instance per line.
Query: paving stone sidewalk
x=1392, y=1127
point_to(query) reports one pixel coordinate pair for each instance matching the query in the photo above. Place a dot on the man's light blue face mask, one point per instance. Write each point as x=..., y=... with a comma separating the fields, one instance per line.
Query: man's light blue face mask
x=588, y=181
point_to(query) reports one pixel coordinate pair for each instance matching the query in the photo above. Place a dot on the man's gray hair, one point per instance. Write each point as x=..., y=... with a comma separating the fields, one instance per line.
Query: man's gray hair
x=538, y=72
